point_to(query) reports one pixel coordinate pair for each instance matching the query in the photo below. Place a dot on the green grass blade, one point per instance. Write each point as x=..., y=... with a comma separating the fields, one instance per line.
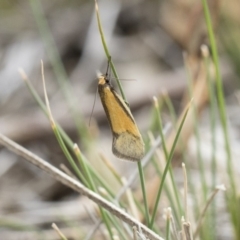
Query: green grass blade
x=213, y=107
x=231, y=197
x=167, y=225
x=197, y=135
x=142, y=181
x=107, y=52
x=220, y=94
x=166, y=169
x=58, y=67
x=166, y=154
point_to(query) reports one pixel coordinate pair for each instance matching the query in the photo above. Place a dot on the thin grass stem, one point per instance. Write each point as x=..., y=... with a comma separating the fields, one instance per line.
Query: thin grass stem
x=196, y=131
x=191, y=185
x=167, y=168
x=213, y=106
x=58, y=67
x=166, y=154
x=168, y=224
x=232, y=200
x=203, y=213
x=107, y=51
x=142, y=181
x=55, y=227
x=57, y=134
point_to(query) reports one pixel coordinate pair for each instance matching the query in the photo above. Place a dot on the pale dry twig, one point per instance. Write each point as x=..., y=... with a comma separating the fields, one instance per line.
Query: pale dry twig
x=77, y=186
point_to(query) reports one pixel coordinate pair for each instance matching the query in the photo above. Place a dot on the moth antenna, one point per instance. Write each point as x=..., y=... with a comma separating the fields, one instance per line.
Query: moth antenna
x=92, y=108
x=126, y=79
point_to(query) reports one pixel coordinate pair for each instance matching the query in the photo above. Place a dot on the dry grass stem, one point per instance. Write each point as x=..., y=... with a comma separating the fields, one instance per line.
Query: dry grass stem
x=203, y=213
x=23, y=74
x=46, y=97
x=131, y=202
x=92, y=232
x=110, y=166
x=134, y=233
x=174, y=229
x=91, y=215
x=67, y=171
x=205, y=51
x=187, y=231
x=55, y=227
x=75, y=185
x=103, y=192
x=185, y=191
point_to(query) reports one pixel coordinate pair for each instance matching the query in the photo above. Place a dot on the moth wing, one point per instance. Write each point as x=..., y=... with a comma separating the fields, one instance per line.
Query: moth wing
x=128, y=146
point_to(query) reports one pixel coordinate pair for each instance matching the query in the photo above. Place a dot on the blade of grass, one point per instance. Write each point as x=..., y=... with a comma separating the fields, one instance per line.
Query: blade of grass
x=82, y=164
x=232, y=199
x=185, y=192
x=58, y=68
x=191, y=182
x=213, y=107
x=229, y=36
x=111, y=168
x=168, y=216
x=107, y=51
x=107, y=222
x=203, y=213
x=140, y=170
x=170, y=197
x=86, y=179
x=174, y=229
x=57, y=134
x=173, y=115
x=170, y=107
x=167, y=168
x=105, y=216
x=196, y=130
x=166, y=154
x=75, y=185
x=117, y=225
x=195, y=86
x=220, y=94
x=55, y=227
